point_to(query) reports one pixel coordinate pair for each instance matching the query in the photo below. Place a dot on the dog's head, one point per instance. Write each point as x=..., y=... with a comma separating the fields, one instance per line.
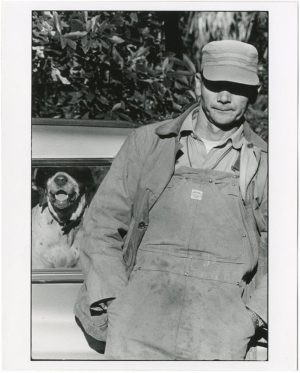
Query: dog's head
x=64, y=190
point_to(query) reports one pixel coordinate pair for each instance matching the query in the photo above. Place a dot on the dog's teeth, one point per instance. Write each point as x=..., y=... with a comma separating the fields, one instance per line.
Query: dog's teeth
x=61, y=197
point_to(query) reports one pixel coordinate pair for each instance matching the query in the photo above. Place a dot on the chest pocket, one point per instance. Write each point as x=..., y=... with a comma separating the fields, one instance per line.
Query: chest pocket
x=228, y=187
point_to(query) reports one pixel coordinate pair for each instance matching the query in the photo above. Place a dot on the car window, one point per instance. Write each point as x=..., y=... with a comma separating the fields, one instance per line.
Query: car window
x=62, y=190
x=70, y=159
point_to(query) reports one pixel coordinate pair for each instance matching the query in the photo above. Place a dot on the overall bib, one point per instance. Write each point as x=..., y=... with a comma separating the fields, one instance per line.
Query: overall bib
x=184, y=296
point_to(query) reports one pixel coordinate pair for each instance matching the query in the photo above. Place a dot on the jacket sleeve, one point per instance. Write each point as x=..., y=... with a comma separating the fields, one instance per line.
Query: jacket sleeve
x=107, y=222
x=259, y=299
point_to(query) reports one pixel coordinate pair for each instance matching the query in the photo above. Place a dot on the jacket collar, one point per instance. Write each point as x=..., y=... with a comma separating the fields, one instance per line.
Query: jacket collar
x=172, y=127
x=254, y=139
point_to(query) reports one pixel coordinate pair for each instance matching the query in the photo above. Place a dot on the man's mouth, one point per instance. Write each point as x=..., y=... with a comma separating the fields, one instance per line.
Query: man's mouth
x=223, y=110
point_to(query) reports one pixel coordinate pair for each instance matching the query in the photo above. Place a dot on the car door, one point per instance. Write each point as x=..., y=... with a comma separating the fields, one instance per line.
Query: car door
x=67, y=144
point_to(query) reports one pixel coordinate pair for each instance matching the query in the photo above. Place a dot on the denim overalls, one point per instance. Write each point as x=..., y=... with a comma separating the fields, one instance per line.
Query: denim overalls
x=184, y=296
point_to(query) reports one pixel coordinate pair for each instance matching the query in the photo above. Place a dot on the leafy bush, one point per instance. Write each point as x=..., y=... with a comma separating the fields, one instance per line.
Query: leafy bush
x=114, y=65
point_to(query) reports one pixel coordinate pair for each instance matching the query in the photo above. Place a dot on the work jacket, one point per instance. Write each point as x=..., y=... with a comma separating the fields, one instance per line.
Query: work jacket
x=118, y=216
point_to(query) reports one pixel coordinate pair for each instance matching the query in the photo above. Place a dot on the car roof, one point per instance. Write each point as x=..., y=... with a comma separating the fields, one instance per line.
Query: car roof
x=77, y=139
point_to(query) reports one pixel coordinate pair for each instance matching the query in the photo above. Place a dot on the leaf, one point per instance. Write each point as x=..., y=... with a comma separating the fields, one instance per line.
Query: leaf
x=94, y=22
x=84, y=41
x=158, y=87
x=119, y=105
x=94, y=43
x=76, y=25
x=189, y=64
x=56, y=75
x=86, y=115
x=165, y=64
x=75, y=97
x=140, y=68
x=85, y=16
x=57, y=22
x=192, y=94
x=181, y=99
x=176, y=60
x=75, y=35
x=167, y=82
x=90, y=97
x=104, y=44
x=133, y=17
x=197, y=87
x=179, y=86
x=125, y=117
x=182, y=79
x=103, y=25
x=116, y=39
x=72, y=44
x=141, y=51
x=85, y=48
x=88, y=25
x=183, y=73
x=63, y=42
x=147, y=80
x=103, y=100
x=118, y=19
x=176, y=107
x=117, y=57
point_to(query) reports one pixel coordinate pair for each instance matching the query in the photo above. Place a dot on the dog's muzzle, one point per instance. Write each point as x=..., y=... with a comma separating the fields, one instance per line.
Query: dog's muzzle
x=62, y=200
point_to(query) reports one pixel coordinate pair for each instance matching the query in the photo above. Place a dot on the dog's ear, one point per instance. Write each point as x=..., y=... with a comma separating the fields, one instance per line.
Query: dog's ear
x=38, y=186
x=85, y=177
x=40, y=177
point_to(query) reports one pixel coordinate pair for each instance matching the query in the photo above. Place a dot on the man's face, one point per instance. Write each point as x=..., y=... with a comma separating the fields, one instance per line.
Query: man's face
x=224, y=103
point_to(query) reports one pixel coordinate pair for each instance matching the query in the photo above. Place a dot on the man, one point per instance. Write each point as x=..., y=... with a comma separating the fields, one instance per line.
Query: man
x=175, y=239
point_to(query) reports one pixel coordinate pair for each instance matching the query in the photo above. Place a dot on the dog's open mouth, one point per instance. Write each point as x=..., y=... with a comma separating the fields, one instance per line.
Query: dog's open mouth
x=62, y=200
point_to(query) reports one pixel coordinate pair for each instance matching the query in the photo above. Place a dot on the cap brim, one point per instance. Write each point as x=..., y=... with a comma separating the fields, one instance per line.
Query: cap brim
x=230, y=74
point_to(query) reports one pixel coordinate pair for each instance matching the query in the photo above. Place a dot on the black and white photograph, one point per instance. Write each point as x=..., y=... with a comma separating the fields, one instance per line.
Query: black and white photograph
x=151, y=234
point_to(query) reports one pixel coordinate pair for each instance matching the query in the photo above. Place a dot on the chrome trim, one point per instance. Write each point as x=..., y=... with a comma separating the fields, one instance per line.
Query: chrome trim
x=56, y=275
x=35, y=162
x=83, y=123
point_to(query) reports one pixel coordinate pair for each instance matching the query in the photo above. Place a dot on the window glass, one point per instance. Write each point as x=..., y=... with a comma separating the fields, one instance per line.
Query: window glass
x=62, y=191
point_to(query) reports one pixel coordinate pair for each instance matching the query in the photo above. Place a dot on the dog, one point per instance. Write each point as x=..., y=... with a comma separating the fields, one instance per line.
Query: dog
x=64, y=196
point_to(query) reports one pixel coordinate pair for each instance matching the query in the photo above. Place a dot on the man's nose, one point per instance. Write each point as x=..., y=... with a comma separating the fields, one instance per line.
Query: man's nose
x=224, y=97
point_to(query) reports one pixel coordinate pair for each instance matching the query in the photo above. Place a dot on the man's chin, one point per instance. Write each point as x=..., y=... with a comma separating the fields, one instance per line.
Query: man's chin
x=225, y=120
x=225, y=124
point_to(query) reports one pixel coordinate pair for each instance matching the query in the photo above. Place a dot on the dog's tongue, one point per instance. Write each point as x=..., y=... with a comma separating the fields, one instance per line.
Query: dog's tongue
x=61, y=197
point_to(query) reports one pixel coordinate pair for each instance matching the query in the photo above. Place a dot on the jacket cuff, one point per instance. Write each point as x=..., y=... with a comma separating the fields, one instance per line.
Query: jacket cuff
x=99, y=307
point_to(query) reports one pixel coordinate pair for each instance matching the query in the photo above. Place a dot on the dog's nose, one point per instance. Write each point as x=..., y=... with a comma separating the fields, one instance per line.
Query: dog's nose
x=60, y=180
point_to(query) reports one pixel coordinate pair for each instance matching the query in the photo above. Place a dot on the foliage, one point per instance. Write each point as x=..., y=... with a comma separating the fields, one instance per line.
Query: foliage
x=114, y=65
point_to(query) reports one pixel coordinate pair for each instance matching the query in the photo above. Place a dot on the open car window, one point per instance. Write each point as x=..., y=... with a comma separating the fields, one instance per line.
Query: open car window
x=70, y=159
x=55, y=270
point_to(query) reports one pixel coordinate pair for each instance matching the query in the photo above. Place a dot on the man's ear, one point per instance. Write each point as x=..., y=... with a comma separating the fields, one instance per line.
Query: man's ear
x=254, y=94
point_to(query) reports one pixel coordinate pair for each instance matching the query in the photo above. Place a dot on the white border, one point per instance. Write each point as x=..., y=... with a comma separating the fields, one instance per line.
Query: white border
x=16, y=113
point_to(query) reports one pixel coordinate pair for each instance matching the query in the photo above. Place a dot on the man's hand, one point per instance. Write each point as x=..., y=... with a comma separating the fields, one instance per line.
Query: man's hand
x=257, y=321
x=100, y=307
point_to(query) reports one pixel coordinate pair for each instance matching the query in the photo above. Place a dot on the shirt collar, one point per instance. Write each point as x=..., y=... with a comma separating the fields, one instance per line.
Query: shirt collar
x=188, y=125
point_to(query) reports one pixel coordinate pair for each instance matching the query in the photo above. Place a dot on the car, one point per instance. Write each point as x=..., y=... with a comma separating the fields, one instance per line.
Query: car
x=72, y=143
x=67, y=143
